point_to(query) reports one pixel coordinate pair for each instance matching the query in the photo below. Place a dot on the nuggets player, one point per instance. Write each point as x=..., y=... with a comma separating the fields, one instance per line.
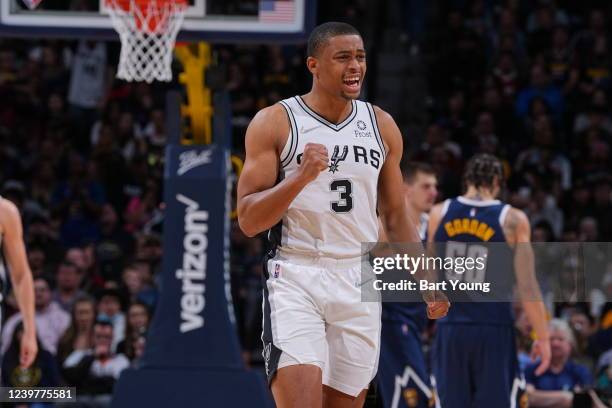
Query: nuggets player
x=317, y=168
x=474, y=355
x=403, y=379
x=11, y=240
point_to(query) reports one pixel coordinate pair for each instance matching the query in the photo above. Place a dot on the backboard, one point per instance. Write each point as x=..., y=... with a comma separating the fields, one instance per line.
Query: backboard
x=206, y=20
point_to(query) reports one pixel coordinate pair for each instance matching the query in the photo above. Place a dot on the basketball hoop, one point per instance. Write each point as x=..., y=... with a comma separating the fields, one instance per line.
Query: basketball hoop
x=148, y=30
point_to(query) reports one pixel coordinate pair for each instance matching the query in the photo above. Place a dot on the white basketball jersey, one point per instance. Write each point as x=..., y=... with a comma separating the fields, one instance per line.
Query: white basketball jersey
x=334, y=214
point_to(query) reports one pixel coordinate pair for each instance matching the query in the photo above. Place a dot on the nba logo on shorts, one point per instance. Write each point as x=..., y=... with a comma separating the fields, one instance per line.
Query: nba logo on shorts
x=276, y=270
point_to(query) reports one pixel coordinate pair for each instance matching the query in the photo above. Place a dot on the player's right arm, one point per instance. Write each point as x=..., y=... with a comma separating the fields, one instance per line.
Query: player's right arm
x=262, y=202
x=518, y=234
x=435, y=216
x=21, y=277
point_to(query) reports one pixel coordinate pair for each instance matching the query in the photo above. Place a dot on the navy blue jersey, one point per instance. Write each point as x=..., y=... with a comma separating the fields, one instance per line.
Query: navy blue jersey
x=464, y=224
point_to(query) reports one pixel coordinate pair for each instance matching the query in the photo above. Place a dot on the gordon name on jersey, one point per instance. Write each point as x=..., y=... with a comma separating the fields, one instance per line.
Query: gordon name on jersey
x=333, y=215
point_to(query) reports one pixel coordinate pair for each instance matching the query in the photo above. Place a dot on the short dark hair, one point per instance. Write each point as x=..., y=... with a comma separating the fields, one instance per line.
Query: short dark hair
x=68, y=264
x=322, y=33
x=45, y=279
x=412, y=168
x=482, y=169
x=104, y=322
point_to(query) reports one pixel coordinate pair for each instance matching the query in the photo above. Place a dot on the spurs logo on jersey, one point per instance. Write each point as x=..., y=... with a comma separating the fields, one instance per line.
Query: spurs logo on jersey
x=336, y=213
x=359, y=155
x=336, y=158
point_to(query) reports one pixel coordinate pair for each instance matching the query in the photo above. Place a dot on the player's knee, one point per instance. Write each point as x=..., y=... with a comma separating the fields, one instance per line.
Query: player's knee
x=298, y=386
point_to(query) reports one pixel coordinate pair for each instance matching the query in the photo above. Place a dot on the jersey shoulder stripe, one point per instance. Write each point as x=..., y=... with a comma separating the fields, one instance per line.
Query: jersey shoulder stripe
x=379, y=140
x=293, y=136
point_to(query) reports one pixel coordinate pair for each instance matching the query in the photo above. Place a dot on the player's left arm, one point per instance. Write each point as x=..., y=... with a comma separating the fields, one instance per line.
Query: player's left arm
x=21, y=277
x=518, y=233
x=393, y=210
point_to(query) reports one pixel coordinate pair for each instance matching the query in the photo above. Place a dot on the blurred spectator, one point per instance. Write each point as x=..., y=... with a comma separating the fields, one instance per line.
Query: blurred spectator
x=88, y=77
x=588, y=230
x=138, y=317
x=558, y=57
x=51, y=319
x=540, y=85
x=114, y=246
x=79, y=334
x=582, y=324
x=541, y=23
x=37, y=259
x=138, y=288
x=543, y=162
x=68, y=283
x=543, y=208
x=556, y=386
x=95, y=371
x=109, y=309
x=506, y=76
x=44, y=372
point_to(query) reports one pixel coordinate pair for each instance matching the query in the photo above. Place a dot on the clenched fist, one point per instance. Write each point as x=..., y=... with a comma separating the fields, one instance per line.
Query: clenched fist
x=314, y=160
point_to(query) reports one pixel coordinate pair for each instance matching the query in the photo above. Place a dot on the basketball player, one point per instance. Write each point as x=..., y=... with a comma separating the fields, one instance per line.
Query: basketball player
x=474, y=355
x=11, y=239
x=317, y=168
x=403, y=323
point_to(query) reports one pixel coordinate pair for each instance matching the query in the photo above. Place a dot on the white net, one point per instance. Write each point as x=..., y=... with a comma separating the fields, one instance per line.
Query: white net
x=148, y=30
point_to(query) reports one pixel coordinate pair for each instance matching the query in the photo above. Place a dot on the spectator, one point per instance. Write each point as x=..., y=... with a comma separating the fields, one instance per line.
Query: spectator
x=114, y=246
x=79, y=335
x=51, y=319
x=543, y=162
x=95, y=371
x=556, y=386
x=78, y=256
x=44, y=372
x=68, y=278
x=138, y=347
x=37, y=260
x=109, y=309
x=137, y=287
x=540, y=86
x=558, y=58
x=582, y=324
x=588, y=230
x=137, y=325
x=506, y=76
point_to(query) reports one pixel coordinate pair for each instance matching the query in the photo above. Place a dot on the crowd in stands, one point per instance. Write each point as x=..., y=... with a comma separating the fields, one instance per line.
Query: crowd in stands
x=81, y=154
x=531, y=82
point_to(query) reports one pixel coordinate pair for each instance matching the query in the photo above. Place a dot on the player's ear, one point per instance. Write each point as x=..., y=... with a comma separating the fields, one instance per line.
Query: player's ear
x=312, y=64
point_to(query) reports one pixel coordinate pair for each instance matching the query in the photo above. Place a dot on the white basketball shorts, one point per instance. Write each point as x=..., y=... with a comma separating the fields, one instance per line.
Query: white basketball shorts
x=313, y=314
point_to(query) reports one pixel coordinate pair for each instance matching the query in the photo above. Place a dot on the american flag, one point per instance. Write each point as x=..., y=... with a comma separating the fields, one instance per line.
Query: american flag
x=32, y=3
x=279, y=11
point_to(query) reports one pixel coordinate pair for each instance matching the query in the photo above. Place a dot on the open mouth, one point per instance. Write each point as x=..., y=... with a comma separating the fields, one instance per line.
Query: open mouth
x=352, y=82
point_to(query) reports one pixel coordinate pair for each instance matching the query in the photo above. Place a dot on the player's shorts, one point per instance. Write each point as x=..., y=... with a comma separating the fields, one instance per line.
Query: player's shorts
x=313, y=314
x=402, y=373
x=476, y=366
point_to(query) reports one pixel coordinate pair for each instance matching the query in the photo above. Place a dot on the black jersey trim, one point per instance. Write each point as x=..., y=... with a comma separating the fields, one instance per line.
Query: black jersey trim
x=376, y=130
x=319, y=118
x=292, y=135
x=296, y=137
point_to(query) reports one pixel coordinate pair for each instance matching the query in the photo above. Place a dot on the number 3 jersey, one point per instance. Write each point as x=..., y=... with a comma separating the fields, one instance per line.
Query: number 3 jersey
x=472, y=229
x=336, y=213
